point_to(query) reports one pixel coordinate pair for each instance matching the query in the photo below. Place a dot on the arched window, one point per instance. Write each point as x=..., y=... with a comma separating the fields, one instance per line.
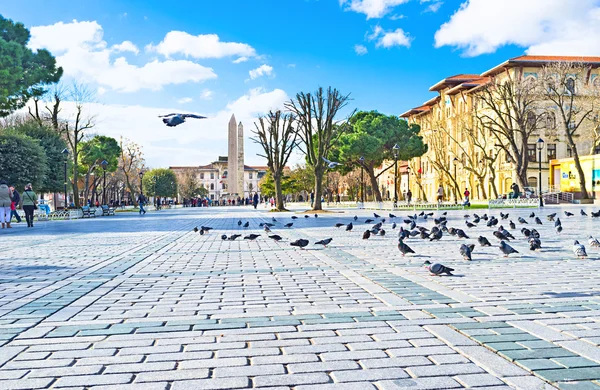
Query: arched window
x=570, y=85
x=550, y=120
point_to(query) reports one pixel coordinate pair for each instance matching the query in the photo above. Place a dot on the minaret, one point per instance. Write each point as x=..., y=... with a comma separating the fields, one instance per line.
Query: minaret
x=232, y=157
x=240, y=159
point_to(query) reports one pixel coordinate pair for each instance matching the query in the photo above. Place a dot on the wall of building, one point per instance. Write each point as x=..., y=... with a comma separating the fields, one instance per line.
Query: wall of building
x=563, y=174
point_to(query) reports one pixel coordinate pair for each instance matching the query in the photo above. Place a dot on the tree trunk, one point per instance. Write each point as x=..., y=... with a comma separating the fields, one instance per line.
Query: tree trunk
x=75, y=180
x=482, y=187
x=374, y=185
x=584, y=192
x=278, y=193
x=318, y=188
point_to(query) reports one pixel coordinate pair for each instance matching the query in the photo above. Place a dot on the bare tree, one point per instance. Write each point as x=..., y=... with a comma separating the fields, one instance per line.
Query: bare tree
x=318, y=129
x=72, y=126
x=508, y=107
x=131, y=163
x=574, y=102
x=277, y=136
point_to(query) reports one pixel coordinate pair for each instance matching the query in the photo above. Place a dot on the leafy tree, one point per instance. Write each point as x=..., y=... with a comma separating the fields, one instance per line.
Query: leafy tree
x=22, y=160
x=372, y=135
x=53, y=145
x=315, y=116
x=189, y=187
x=268, y=188
x=275, y=133
x=160, y=182
x=23, y=73
x=93, y=152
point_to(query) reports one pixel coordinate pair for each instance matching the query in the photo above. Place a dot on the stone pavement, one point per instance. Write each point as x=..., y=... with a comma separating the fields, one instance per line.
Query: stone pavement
x=132, y=302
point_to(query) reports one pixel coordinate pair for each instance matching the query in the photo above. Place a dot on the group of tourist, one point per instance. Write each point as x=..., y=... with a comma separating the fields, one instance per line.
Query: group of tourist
x=11, y=200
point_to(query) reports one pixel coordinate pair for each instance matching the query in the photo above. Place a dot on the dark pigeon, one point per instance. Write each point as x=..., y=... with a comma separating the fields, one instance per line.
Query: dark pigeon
x=300, y=243
x=174, y=119
x=349, y=227
x=506, y=249
x=403, y=248
x=438, y=269
x=275, y=237
x=324, y=242
x=483, y=241
x=251, y=237
x=466, y=251
x=366, y=235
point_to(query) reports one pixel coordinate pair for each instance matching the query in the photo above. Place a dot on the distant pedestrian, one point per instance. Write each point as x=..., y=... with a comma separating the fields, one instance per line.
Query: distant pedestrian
x=467, y=194
x=408, y=196
x=255, y=200
x=16, y=199
x=5, y=202
x=440, y=194
x=338, y=199
x=312, y=199
x=29, y=204
x=142, y=202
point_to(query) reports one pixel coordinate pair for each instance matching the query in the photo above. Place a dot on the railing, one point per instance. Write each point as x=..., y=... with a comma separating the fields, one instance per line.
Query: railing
x=514, y=203
x=402, y=205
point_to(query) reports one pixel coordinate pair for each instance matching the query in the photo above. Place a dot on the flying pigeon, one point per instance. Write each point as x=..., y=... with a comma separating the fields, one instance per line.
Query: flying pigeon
x=233, y=237
x=538, y=221
x=366, y=234
x=534, y=243
x=252, y=237
x=568, y=214
x=288, y=225
x=403, y=248
x=349, y=227
x=522, y=220
x=583, y=213
x=483, y=241
x=331, y=164
x=593, y=242
x=339, y=225
x=172, y=120
x=579, y=250
x=224, y=237
x=506, y=249
x=301, y=243
x=550, y=217
x=324, y=242
x=438, y=269
x=275, y=237
x=466, y=250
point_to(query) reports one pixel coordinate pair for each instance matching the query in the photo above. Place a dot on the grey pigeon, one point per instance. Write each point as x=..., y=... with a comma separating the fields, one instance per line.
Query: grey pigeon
x=289, y=225
x=300, y=243
x=355, y=217
x=538, y=221
x=469, y=224
x=368, y=220
x=247, y=224
x=438, y=269
x=506, y=249
x=522, y=220
x=595, y=215
x=403, y=248
x=569, y=214
x=391, y=215
x=512, y=225
x=324, y=242
x=557, y=223
x=534, y=243
x=579, y=250
x=559, y=229
x=233, y=237
x=294, y=217
x=461, y=234
x=532, y=215
x=466, y=251
x=275, y=237
x=267, y=229
x=338, y=225
x=376, y=215
x=382, y=233
x=366, y=235
x=251, y=237
x=435, y=235
x=224, y=237
x=535, y=233
x=526, y=232
x=306, y=216
x=583, y=213
x=240, y=222
x=503, y=216
x=550, y=217
x=500, y=235
x=174, y=119
x=593, y=242
x=483, y=241
x=196, y=229
x=393, y=225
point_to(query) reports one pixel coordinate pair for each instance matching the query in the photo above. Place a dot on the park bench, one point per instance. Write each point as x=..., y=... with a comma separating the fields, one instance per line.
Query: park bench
x=107, y=211
x=88, y=212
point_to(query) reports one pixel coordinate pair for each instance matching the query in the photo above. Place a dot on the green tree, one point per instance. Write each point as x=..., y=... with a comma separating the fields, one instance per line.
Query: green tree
x=92, y=154
x=189, y=187
x=53, y=145
x=23, y=73
x=372, y=135
x=160, y=182
x=268, y=188
x=22, y=160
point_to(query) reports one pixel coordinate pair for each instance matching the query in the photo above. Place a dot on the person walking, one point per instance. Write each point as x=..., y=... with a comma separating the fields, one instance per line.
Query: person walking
x=29, y=204
x=312, y=199
x=408, y=196
x=467, y=194
x=440, y=194
x=255, y=200
x=142, y=201
x=16, y=199
x=5, y=202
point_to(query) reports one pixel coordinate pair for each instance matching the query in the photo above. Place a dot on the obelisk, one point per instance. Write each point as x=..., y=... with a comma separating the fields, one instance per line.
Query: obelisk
x=240, y=160
x=232, y=158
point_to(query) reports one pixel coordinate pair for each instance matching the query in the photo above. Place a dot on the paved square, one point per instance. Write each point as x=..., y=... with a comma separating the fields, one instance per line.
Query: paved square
x=130, y=302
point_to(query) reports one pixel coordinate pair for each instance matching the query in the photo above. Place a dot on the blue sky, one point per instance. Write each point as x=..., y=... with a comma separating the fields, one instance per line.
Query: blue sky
x=144, y=57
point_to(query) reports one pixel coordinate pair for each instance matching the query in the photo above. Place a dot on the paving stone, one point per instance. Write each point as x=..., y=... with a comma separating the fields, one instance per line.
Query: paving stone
x=172, y=375
x=444, y=370
x=478, y=380
x=93, y=380
x=273, y=369
x=298, y=368
x=338, y=386
x=221, y=383
x=291, y=379
x=369, y=374
x=139, y=367
x=420, y=383
x=22, y=384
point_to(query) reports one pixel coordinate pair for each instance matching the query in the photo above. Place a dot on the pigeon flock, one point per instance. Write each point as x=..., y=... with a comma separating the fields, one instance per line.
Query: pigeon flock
x=412, y=228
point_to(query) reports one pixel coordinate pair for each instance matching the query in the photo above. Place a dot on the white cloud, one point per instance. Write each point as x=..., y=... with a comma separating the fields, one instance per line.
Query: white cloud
x=360, y=50
x=434, y=6
x=397, y=17
x=206, y=94
x=371, y=8
x=540, y=26
x=185, y=100
x=197, y=141
x=291, y=65
x=263, y=70
x=240, y=60
x=200, y=46
x=125, y=46
x=80, y=49
x=389, y=39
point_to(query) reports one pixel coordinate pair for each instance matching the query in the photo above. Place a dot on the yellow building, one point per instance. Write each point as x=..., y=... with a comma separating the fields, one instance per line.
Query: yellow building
x=563, y=174
x=462, y=154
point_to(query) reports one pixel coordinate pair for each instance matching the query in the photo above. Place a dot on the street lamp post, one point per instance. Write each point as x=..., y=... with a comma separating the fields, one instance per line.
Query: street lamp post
x=104, y=164
x=540, y=146
x=455, y=181
x=141, y=182
x=395, y=149
x=362, y=180
x=65, y=153
x=407, y=179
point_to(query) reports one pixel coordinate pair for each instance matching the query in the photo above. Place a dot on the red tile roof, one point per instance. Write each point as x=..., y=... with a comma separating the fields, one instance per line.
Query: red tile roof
x=453, y=80
x=539, y=60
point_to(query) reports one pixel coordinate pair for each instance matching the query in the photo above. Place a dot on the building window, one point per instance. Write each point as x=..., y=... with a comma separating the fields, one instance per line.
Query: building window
x=212, y=196
x=597, y=149
x=250, y=175
x=212, y=186
x=531, y=153
x=201, y=176
x=569, y=151
x=570, y=85
x=212, y=175
x=531, y=118
x=551, y=149
x=550, y=120
x=533, y=182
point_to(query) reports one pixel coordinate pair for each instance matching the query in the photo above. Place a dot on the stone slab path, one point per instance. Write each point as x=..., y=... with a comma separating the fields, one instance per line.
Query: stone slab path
x=130, y=302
